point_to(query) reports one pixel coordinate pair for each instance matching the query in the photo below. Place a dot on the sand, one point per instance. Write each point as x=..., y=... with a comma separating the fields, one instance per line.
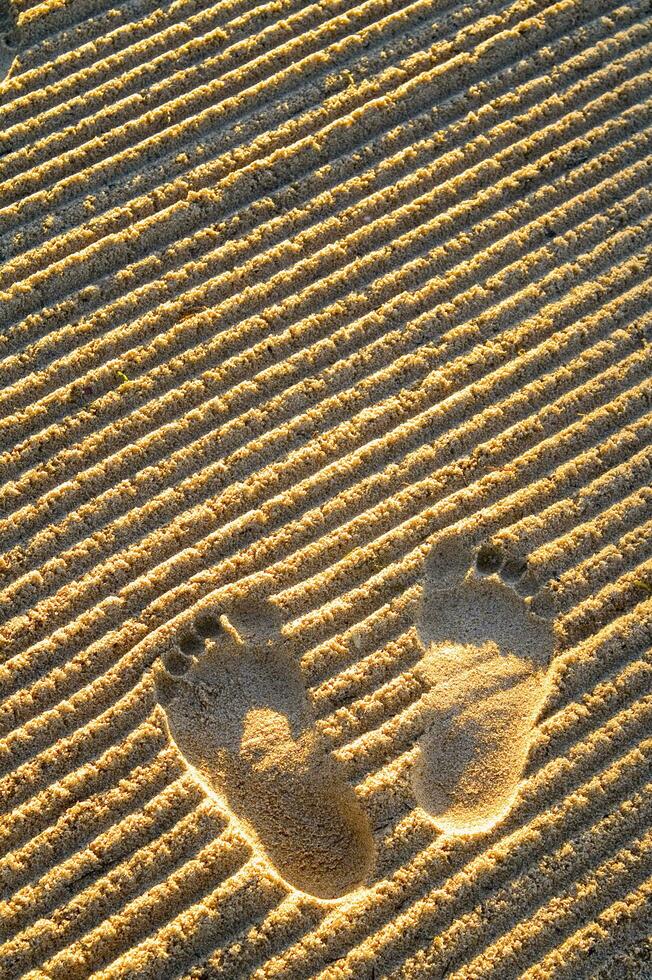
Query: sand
x=325, y=510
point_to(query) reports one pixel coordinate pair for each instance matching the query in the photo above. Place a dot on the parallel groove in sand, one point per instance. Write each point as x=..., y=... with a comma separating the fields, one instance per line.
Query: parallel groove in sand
x=422, y=237
x=430, y=143
x=115, y=312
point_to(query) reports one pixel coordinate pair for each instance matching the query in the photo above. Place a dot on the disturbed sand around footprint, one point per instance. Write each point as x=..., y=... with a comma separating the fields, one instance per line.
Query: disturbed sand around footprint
x=300, y=304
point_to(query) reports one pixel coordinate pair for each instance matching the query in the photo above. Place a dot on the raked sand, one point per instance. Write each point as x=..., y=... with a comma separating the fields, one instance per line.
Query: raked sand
x=325, y=498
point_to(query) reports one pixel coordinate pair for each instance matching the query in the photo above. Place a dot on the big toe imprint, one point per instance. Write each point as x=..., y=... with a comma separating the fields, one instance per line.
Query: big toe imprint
x=237, y=710
x=485, y=674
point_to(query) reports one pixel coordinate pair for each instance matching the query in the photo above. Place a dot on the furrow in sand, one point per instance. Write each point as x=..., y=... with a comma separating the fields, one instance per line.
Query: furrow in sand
x=397, y=433
x=170, y=813
x=60, y=246
x=589, y=896
x=115, y=404
x=431, y=867
x=311, y=152
x=604, y=598
x=75, y=524
x=105, y=770
x=631, y=958
x=419, y=128
x=610, y=696
x=611, y=601
x=609, y=675
x=114, y=680
x=206, y=77
x=148, y=797
x=85, y=417
x=397, y=722
x=43, y=81
x=216, y=860
x=531, y=537
x=594, y=790
x=387, y=793
x=390, y=656
x=401, y=534
x=572, y=556
x=237, y=248
x=390, y=737
x=384, y=644
x=572, y=552
x=351, y=694
x=52, y=37
x=291, y=295
x=46, y=727
x=616, y=928
x=52, y=27
x=249, y=893
x=108, y=32
x=366, y=713
x=463, y=855
x=152, y=48
x=226, y=98
x=257, y=941
x=51, y=514
x=72, y=751
x=593, y=658
x=242, y=397
x=122, y=110
x=381, y=588
x=351, y=189
x=600, y=567
x=549, y=917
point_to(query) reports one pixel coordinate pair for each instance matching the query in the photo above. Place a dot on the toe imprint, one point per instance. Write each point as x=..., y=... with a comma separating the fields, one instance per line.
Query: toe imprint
x=237, y=710
x=485, y=676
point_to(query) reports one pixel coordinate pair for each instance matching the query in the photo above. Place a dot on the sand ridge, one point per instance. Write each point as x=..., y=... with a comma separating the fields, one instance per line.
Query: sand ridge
x=325, y=510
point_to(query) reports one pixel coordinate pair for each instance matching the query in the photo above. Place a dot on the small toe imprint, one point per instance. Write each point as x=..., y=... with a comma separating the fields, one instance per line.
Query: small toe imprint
x=208, y=625
x=190, y=644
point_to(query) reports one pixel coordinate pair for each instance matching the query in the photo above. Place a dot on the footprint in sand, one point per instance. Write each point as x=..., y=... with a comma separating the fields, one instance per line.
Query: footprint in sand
x=485, y=674
x=237, y=710
x=8, y=37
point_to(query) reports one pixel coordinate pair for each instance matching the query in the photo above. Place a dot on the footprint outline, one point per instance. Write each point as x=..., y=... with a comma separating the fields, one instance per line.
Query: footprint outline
x=266, y=761
x=485, y=671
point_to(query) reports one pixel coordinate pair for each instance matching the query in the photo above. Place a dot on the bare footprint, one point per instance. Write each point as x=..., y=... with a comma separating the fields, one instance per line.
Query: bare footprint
x=8, y=37
x=485, y=673
x=237, y=710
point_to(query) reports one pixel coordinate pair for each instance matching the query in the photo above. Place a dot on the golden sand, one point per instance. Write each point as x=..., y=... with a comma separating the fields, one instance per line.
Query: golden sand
x=325, y=510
